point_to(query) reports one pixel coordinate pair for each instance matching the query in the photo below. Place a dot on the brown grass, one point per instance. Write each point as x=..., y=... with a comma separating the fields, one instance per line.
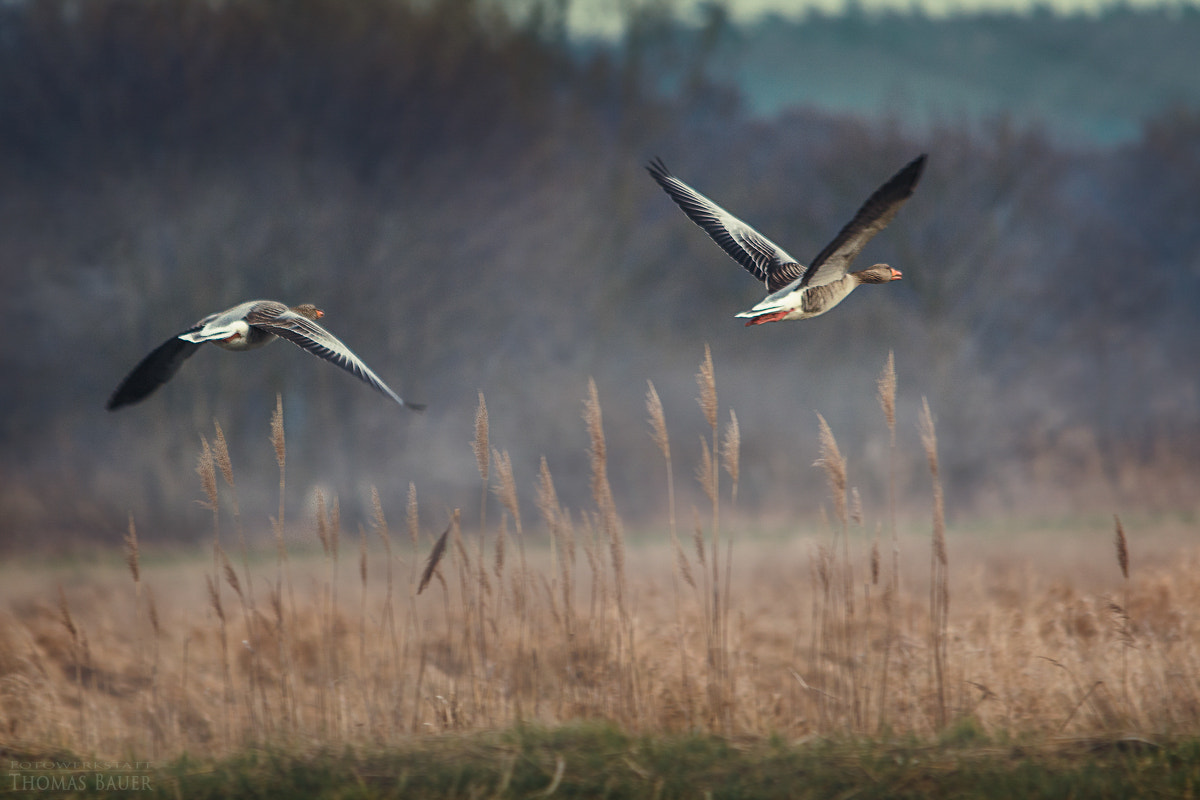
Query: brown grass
x=809, y=633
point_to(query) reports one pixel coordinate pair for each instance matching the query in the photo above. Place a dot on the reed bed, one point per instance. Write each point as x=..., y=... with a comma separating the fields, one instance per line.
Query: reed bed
x=806, y=632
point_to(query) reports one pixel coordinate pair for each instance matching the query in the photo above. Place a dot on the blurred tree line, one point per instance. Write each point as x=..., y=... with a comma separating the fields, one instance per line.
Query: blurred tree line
x=463, y=193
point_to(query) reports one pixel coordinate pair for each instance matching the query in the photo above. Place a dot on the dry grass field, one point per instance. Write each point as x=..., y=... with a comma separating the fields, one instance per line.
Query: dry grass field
x=841, y=626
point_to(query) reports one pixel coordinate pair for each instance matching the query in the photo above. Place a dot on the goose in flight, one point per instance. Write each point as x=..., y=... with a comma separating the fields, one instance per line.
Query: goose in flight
x=797, y=292
x=245, y=327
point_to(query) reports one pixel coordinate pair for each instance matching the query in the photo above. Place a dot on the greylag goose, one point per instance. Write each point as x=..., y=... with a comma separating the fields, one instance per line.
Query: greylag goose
x=797, y=292
x=245, y=327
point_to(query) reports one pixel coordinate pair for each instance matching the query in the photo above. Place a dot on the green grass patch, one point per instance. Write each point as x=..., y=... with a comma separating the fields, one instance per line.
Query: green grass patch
x=595, y=760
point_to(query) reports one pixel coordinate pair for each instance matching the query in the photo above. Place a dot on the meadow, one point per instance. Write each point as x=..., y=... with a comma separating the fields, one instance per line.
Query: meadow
x=849, y=625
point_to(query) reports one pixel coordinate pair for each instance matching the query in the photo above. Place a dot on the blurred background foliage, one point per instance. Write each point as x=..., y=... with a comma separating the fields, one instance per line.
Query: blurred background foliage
x=459, y=185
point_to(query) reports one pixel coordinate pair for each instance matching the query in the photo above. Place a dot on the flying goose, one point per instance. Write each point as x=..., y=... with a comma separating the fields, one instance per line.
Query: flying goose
x=245, y=327
x=797, y=292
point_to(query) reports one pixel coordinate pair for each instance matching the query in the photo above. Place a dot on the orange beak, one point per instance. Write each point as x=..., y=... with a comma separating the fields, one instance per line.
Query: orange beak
x=896, y=274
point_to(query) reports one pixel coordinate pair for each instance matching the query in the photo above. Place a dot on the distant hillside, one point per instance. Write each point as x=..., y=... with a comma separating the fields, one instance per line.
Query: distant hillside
x=1087, y=79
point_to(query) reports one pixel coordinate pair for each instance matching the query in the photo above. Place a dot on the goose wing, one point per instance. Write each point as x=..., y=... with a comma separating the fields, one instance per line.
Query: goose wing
x=875, y=214
x=310, y=336
x=763, y=258
x=153, y=371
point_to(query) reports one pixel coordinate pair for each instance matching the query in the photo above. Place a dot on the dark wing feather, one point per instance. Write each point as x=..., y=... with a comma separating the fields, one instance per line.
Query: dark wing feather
x=152, y=372
x=875, y=214
x=305, y=333
x=758, y=254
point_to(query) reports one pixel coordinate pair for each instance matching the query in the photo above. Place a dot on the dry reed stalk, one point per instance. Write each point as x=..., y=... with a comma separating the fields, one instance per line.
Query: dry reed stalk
x=214, y=599
x=602, y=495
x=381, y=530
x=939, y=585
x=68, y=622
x=680, y=569
x=234, y=583
x=283, y=567
x=506, y=490
x=731, y=447
x=886, y=385
x=614, y=531
x=561, y=537
x=387, y=618
x=362, y=605
x=131, y=559
x=1124, y=629
x=207, y=470
x=710, y=477
x=481, y=457
x=225, y=463
x=498, y=570
x=480, y=446
x=413, y=519
x=842, y=640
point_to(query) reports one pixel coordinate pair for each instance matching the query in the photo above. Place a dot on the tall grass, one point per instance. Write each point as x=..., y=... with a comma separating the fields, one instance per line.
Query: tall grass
x=752, y=647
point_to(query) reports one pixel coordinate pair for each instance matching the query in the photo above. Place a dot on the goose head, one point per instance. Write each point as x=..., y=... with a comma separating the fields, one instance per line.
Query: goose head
x=879, y=273
x=309, y=310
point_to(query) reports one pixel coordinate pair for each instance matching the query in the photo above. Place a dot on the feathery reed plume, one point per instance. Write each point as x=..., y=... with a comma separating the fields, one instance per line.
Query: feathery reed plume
x=277, y=438
x=230, y=575
x=547, y=497
x=731, y=451
x=221, y=452
x=834, y=465
x=886, y=385
x=507, y=492
x=875, y=562
x=481, y=438
x=658, y=421
x=856, y=509
x=506, y=489
x=152, y=612
x=706, y=381
x=206, y=469
x=682, y=563
x=131, y=557
x=1122, y=548
x=939, y=592
x=498, y=563
x=435, y=557
x=323, y=524
x=704, y=470
x=412, y=517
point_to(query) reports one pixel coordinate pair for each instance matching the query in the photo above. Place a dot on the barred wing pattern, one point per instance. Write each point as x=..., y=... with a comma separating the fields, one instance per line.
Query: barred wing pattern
x=283, y=322
x=760, y=256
